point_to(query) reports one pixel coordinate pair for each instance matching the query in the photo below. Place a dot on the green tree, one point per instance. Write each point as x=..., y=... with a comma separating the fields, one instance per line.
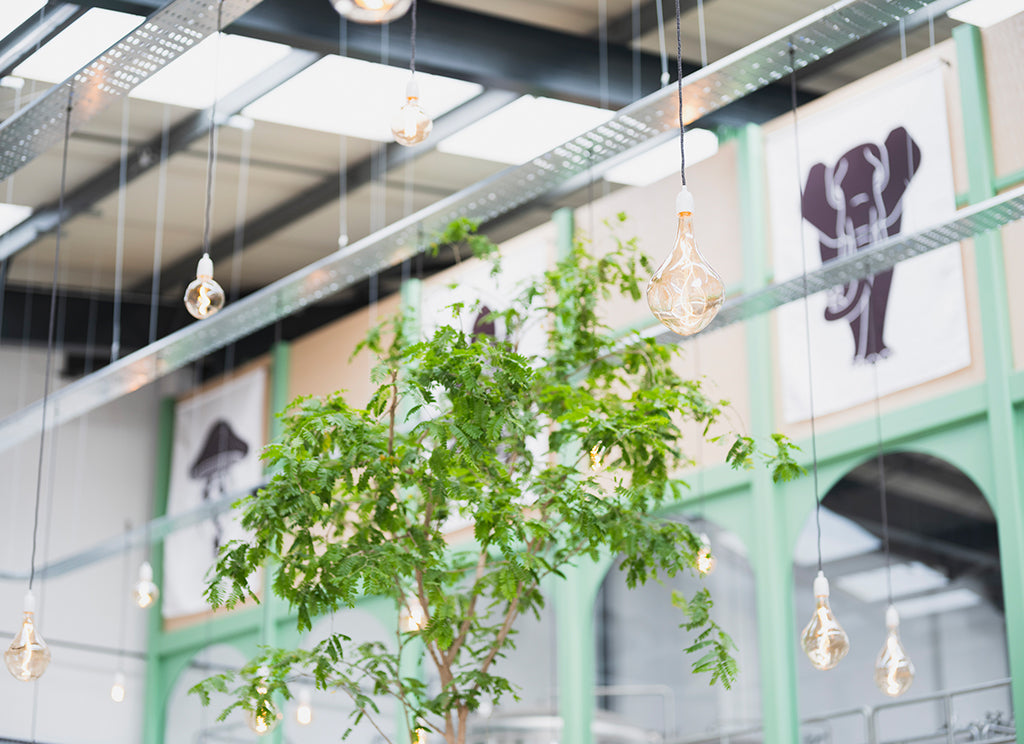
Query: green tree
x=554, y=459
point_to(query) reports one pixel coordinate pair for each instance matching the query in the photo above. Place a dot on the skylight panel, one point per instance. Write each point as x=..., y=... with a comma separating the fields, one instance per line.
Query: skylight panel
x=524, y=129
x=907, y=578
x=663, y=160
x=78, y=45
x=191, y=79
x=355, y=98
x=846, y=539
x=983, y=13
x=13, y=14
x=11, y=215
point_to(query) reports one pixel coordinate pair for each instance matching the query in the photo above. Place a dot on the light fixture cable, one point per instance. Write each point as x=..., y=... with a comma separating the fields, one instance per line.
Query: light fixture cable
x=211, y=148
x=51, y=331
x=882, y=494
x=662, y=51
x=807, y=303
x=679, y=89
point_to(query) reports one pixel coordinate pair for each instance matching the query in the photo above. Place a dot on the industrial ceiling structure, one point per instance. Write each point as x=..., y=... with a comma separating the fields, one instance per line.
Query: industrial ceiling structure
x=315, y=211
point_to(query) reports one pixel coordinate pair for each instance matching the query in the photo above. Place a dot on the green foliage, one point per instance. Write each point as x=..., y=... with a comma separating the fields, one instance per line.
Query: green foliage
x=467, y=426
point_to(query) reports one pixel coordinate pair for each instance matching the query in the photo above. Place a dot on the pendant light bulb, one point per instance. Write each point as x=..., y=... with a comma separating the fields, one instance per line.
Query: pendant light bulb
x=824, y=640
x=28, y=655
x=304, y=713
x=117, y=690
x=685, y=293
x=204, y=296
x=371, y=11
x=145, y=592
x=262, y=723
x=894, y=671
x=411, y=124
x=705, y=561
x=412, y=617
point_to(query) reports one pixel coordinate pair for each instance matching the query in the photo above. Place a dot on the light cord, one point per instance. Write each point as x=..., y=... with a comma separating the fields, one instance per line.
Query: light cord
x=50, y=335
x=807, y=303
x=412, y=41
x=602, y=52
x=662, y=52
x=158, y=238
x=211, y=150
x=703, y=34
x=883, y=496
x=122, y=196
x=679, y=88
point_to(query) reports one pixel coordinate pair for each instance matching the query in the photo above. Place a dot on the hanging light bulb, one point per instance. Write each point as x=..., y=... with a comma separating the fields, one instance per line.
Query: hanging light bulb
x=411, y=125
x=117, y=689
x=204, y=296
x=705, y=561
x=824, y=640
x=262, y=723
x=371, y=11
x=685, y=293
x=304, y=713
x=894, y=671
x=596, y=458
x=28, y=655
x=145, y=592
x=412, y=617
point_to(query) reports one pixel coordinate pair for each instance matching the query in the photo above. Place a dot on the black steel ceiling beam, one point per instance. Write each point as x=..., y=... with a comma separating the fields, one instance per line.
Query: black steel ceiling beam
x=23, y=41
x=329, y=188
x=495, y=52
x=147, y=156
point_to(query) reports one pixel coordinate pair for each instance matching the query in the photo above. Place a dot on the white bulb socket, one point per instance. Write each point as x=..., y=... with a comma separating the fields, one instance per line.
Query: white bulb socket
x=205, y=266
x=892, y=617
x=820, y=585
x=684, y=201
x=412, y=88
x=145, y=572
x=30, y=602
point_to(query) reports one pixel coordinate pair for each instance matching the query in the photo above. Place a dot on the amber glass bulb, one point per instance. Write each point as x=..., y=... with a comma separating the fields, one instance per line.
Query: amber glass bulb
x=894, y=672
x=262, y=723
x=371, y=11
x=705, y=561
x=412, y=617
x=685, y=293
x=28, y=655
x=204, y=296
x=410, y=124
x=824, y=640
x=145, y=592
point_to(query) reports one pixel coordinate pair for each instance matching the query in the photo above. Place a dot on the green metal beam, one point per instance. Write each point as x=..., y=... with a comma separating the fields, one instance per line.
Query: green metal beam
x=995, y=324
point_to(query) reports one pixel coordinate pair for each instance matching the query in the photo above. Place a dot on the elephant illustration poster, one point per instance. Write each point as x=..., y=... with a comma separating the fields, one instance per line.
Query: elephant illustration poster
x=872, y=166
x=218, y=435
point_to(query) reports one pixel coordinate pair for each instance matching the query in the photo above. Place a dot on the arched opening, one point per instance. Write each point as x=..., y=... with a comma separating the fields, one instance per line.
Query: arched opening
x=643, y=675
x=188, y=721
x=946, y=584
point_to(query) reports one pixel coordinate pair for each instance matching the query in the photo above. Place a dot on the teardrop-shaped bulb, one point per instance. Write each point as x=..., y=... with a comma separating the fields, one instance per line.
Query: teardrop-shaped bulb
x=117, y=690
x=28, y=655
x=263, y=723
x=685, y=293
x=705, y=561
x=411, y=124
x=371, y=11
x=304, y=712
x=145, y=592
x=894, y=671
x=412, y=618
x=824, y=640
x=204, y=296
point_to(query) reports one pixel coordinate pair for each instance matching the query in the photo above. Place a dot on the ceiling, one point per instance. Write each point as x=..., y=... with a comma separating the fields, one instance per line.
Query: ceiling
x=276, y=205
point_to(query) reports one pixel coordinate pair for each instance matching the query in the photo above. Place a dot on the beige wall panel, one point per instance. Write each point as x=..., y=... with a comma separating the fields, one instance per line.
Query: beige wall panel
x=320, y=360
x=1004, y=68
x=1013, y=259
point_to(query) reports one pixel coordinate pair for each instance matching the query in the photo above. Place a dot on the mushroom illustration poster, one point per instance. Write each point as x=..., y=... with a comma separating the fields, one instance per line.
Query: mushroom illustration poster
x=218, y=436
x=873, y=166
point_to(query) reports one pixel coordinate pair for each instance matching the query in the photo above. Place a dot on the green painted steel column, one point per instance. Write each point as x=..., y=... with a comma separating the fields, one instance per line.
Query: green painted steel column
x=157, y=684
x=995, y=323
x=771, y=557
x=573, y=600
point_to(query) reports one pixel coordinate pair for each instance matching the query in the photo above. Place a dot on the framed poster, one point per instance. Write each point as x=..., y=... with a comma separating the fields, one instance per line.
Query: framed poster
x=218, y=436
x=871, y=167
